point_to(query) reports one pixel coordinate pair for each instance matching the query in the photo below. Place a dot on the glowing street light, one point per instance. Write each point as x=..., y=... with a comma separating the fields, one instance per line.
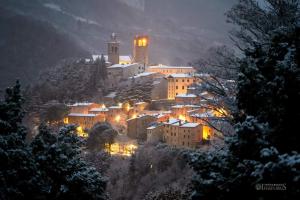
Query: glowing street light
x=117, y=118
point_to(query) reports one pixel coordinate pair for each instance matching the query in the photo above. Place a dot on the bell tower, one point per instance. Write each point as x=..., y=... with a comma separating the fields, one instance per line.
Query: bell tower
x=113, y=49
x=140, y=49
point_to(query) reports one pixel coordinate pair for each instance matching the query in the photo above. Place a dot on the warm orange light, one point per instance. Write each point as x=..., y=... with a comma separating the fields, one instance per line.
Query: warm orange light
x=140, y=43
x=103, y=106
x=144, y=42
x=66, y=120
x=206, y=132
x=117, y=118
x=121, y=149
x=134, y=116
x=182, y=117
x=80, y=132
x=120, y=105
x=79, y=129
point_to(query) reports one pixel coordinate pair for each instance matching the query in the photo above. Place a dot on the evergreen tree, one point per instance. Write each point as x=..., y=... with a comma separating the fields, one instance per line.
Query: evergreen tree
x=264, y=149
x=48, y=168
x=103, y=67
x=270, y=76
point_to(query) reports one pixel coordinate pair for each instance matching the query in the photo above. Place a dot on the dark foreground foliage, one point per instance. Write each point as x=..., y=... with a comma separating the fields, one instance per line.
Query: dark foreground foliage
x=49, y=167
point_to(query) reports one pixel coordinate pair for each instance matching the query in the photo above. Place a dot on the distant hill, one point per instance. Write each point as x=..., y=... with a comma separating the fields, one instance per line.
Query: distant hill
x=27, y=46
x=180, y=31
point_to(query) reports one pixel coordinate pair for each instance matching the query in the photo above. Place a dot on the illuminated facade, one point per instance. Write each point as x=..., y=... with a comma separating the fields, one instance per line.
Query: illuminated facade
x=141, y=50
x=85, y=121
x=178, y=84
x=168, y=70
x=182, y=134
x=183, y=112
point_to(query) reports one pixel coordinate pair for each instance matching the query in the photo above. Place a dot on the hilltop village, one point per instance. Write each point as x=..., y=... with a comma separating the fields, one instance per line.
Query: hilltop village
x=176, y=112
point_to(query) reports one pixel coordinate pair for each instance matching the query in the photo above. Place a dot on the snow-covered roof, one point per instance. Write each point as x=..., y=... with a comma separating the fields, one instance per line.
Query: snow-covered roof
x=143, y=74
x=81, y=115
x=139, y=103
x=115, y=107
x=202, y=75
x=169, y=67
x=111, y=95
x=172, y=121
x=95, y=57
x=181, y=124
x=189, y=106
x=122, y=57
x=204, y=114
x=151, y=127
x=122, y=65
x=99, y=110
x=186, y=95
x=190, y=125
x=179, y=76
x=126, y=58
x=80, y=104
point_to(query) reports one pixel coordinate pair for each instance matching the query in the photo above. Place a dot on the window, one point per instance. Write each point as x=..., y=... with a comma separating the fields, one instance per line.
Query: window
x=176, y=94
x=183, y=80
x=176, y=80
x=183, y=136
x=188, y=80
x=182, y=143
x=183, y=87
x=176, y=87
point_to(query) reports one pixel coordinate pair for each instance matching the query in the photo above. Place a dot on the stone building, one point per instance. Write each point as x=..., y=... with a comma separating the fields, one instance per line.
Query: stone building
x=137, y=127
x=187, y=99
x=168, y=70
x=178, y=84
x=182, y=134
x=141, y=50
x=82, y=107
x=113, y=50
x=85, y=121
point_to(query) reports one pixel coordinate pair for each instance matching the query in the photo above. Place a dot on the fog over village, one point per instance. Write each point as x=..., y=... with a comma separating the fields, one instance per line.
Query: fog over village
x=149, y=99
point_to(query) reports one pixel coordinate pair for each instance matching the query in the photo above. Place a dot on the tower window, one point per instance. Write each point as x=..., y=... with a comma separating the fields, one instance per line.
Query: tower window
x=183, y=87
